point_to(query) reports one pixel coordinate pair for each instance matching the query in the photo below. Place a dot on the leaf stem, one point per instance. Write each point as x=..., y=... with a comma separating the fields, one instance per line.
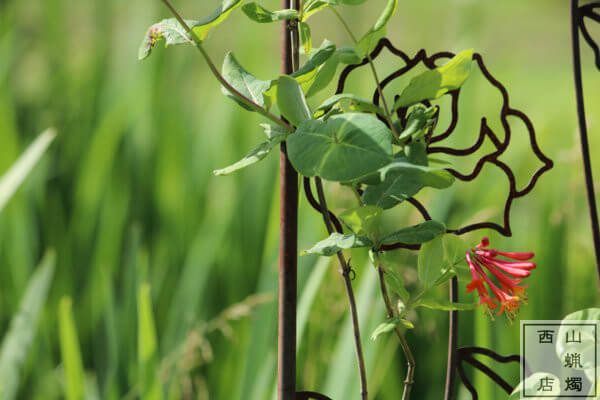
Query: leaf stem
x=198, y=44
x=391, y=313
x=346, y=271
x=388, y=115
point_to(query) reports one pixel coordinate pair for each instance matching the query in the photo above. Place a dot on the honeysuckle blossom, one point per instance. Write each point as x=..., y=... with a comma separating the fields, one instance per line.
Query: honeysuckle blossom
x=508, y=270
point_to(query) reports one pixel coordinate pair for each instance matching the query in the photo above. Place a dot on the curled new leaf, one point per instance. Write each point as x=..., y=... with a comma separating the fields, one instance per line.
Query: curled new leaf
x=259, y=14
x=305, y=37
x=434, y=83
x=337, y=242
x=201, y=28
x=419, y=120
x=168, y=29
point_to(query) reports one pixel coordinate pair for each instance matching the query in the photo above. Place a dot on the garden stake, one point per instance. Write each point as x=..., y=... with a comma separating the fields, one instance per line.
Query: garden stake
x=577, y=22
x=288, y=233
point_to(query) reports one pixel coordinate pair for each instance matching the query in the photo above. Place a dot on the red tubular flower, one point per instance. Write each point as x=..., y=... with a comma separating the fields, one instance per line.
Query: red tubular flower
x=510, y=296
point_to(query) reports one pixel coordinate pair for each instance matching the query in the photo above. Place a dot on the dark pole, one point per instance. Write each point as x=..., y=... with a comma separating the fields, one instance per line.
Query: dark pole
x=583, y=133
x=288, y=235
x=452, y=336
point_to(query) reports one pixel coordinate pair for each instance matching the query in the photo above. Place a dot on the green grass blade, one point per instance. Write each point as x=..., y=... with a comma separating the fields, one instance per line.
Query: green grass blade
x=23, y=326
x=147, y=347
x=308, y=296
x=74, y=375
x=14, y=177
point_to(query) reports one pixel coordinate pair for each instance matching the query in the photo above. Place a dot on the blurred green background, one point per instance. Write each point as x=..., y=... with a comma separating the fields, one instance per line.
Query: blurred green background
x=126, y=198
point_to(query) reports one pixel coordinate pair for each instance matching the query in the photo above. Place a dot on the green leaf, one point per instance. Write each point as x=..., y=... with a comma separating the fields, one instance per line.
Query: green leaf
x=349, y=102
x=447, y=274
x=324, y=76
x=416, y=153
x=389, y=326
x=274, y=131
x=588, y=340
x=148, y=359
x=16, y=174
x=70, y=352
x=454, y=250
x=291, y=101
x=419, y=120
x=430, y=262
x=362, y=220
x=201, y=28
x=369, y=41
x=443, y=305
x=23, y=326
x=168, y=29
x=255, y=155
x=305, y=37
x=338, y=242
x=532, y=383
x=395, y=283
x=587, y=314
x=432, y=84
x=350, y=2
x=462, y=273
x=434, y=177
x=245, y=83
x=417, y=234
x=343, y=148
x=402, y=180
x=317, y=58
x=307, y=74
x=312, y=7
x=349, y=55
x=259, y=14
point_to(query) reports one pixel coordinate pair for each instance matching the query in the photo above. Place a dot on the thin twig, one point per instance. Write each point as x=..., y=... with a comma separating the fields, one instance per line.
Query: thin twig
x=391, y=313
x=388, y=114
x=198, y=44
x=346, y=271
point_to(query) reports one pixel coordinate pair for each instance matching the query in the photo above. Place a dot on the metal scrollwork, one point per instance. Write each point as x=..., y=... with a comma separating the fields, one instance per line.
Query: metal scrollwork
x=457, y=357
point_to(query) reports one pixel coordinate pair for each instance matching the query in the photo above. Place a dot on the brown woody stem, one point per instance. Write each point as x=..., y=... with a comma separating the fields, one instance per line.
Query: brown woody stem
x=245, y=100
x=346, y=271
x=391, y=313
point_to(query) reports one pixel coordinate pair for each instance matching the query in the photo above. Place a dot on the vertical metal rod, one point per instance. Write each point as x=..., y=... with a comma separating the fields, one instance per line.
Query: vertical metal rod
x=583, y=133
x=288, y=235
x=452, y=337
